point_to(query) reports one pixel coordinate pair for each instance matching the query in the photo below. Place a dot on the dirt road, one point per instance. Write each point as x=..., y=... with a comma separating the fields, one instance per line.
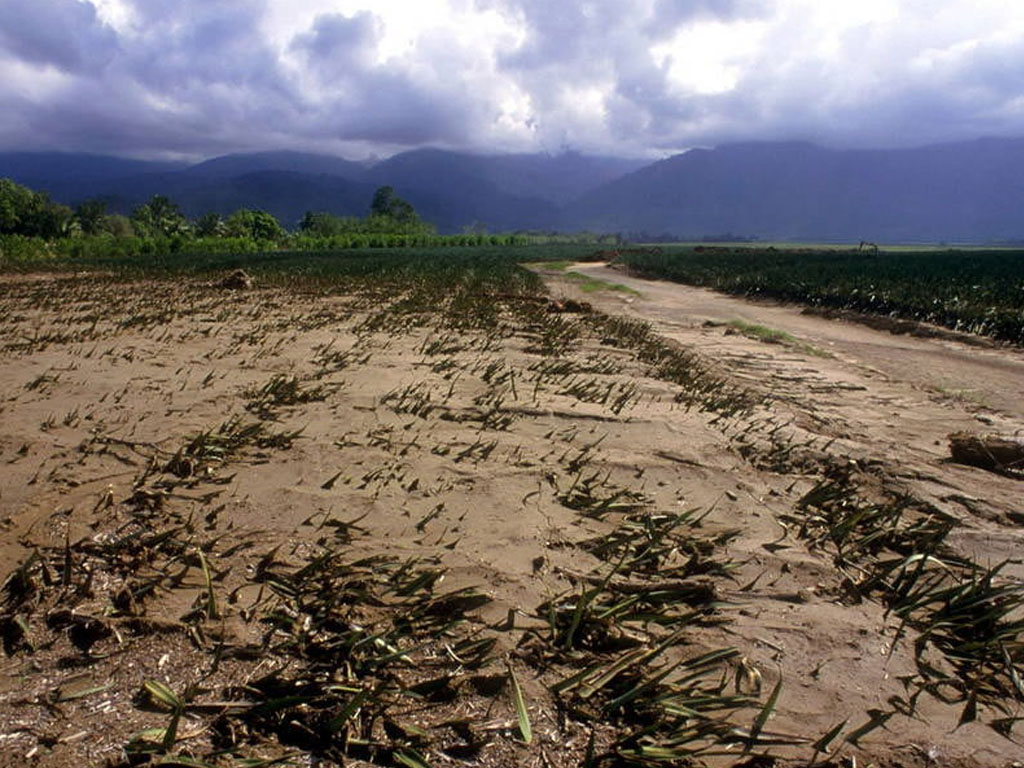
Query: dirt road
x=985, y=380
x=879, y=398
x=878, y=395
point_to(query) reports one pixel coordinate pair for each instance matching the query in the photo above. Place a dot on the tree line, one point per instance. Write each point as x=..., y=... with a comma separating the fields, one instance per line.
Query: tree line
x=34, y=227
x=30, y=213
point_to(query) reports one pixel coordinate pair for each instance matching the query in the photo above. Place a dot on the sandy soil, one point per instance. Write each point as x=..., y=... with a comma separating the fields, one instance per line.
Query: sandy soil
x=988, y=376
x=461, y=448
x=880, y=395
x=877, y=397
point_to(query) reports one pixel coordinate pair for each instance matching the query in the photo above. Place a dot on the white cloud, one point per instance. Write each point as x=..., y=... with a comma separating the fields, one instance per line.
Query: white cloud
x=708, y=57
x=119, y=14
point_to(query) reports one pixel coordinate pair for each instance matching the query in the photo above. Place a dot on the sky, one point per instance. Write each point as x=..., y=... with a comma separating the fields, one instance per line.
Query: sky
x=189, y=79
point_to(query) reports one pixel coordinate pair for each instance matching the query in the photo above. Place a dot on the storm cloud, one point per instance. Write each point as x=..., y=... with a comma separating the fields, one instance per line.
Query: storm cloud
x=65, y=34
x=639, y=77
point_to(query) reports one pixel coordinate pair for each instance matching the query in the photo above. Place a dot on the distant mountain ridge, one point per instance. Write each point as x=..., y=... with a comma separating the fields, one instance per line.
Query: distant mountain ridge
x=452, y=189
x=958, y=192
x=230, y=166
x=70, y=177
x=962, y=192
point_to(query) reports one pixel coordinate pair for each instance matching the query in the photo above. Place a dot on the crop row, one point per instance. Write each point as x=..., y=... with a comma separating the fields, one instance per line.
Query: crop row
x=980, y=292
x=19, y=252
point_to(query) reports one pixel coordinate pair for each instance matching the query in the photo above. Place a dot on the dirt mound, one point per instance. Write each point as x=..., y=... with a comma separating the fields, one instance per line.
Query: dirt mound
x=992, y=452
x=239, y=280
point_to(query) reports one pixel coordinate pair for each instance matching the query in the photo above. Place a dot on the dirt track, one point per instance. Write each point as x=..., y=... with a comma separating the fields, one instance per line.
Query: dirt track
x=883, y=396
x=985, y=379
x=881, y=399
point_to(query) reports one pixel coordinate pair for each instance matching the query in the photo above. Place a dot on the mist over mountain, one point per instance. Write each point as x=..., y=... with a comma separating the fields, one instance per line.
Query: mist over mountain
x=962, y=192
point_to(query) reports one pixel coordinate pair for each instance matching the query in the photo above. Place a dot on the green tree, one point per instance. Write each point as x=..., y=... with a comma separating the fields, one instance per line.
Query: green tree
x=159, y=217
x=15, y=205
x=390, y=214
x=387, y=204
x=319, y=224
x=117, y=225
x=211, y=225
x=53, y=219
x=322, y=224
x=90, y=214
x=26, y=212
x=256, y=225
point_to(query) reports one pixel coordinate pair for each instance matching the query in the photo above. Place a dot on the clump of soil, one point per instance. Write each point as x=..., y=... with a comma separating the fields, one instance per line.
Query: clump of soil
x=569, y=305
x=239, y=280
x=992, y=452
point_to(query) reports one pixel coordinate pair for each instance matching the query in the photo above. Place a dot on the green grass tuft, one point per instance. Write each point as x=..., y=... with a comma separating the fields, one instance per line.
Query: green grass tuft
x=774, y=336
x=589, y=284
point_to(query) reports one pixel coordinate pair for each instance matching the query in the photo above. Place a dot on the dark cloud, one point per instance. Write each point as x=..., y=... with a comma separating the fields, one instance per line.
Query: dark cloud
x=669, y=15
x=200, y=77
x=90, y=119
x=392, y=110
x=336, y=40
x=66, y=34
x=556, y=33
x=426, y=95
x=370, y=101
x=204, y=43
x=192, y=76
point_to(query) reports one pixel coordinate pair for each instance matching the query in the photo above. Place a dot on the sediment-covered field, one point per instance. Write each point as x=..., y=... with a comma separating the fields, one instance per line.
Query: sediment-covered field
x=389, y=511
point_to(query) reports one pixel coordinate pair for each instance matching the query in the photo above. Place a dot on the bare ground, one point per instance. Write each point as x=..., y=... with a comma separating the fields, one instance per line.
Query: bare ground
x=464, y=452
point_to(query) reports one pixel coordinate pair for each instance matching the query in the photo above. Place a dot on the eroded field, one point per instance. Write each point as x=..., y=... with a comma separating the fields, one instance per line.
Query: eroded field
x=414, y=521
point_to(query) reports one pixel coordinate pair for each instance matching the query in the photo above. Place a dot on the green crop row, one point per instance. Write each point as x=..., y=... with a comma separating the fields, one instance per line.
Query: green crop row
x=21, y=250
x=979, y=292
x=492, y=267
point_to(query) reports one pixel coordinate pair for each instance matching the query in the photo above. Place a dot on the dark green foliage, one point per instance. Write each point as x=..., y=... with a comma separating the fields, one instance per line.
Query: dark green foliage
x=979, y=292
x=90, y=215
x=117, y=225
x=160, y=217
x=256, y=225
x=390, y=213
x=341, y=230
x=323, y=224
x=210, y=225
x=28, y=213
x=387, y=203
x=478, y=269
x=34, y=231
x=124, y=249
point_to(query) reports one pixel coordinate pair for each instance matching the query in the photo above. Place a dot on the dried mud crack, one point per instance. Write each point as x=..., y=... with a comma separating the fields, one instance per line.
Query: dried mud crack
x=407, y=517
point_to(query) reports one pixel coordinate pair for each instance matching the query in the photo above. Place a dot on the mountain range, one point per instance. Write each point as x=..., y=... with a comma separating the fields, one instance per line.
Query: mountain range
x=961, y=192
